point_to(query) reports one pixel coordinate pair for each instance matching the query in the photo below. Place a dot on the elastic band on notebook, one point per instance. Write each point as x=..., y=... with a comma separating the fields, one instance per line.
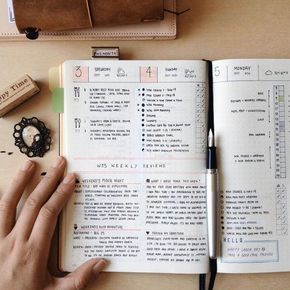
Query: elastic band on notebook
x=213, y=272
x=202, y=281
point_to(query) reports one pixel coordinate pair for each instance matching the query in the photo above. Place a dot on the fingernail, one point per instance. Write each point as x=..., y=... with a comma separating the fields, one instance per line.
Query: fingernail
x=57, y=162
x=100, y=265
x=70, y=178
x=27, y=165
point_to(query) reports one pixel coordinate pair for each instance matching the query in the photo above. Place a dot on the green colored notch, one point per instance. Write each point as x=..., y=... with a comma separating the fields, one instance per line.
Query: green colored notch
x=57, y=100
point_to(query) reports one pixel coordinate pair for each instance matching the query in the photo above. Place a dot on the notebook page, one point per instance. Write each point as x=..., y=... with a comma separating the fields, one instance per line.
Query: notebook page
x=135, y=134
x=252, y=115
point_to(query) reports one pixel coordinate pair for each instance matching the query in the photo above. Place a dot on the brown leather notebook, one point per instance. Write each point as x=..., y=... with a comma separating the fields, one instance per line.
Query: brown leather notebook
x=56, y=15
x=165, y=29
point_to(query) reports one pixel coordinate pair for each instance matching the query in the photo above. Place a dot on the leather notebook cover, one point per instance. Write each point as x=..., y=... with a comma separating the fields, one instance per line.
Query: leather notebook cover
x=165, y=29
x=56, y=15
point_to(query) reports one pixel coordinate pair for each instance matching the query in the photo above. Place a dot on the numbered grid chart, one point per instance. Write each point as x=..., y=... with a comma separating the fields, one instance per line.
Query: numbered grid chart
x=200, y=118
x=279, y=131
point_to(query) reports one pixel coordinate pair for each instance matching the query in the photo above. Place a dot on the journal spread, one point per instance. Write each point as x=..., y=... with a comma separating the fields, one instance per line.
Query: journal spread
x=135, y=134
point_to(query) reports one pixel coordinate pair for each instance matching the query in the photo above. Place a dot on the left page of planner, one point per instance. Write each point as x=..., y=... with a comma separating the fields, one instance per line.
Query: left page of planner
x=134, y=132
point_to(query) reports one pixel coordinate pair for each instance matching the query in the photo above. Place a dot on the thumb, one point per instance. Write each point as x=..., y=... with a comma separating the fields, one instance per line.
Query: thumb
x=83, y=275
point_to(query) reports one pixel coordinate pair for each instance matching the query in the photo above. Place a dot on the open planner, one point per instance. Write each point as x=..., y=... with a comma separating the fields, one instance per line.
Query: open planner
x=135, y=134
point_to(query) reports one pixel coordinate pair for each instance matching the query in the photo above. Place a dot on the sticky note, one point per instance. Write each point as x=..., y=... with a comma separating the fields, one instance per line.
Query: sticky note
x=57, y=100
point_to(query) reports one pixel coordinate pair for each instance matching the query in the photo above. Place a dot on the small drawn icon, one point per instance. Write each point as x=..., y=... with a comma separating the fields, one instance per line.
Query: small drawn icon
x=77, y=93
x=268, y=72
x=121, y=72
x=77, y=123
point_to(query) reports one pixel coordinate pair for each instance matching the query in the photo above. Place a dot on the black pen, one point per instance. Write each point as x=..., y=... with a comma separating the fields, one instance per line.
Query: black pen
x=211, y=196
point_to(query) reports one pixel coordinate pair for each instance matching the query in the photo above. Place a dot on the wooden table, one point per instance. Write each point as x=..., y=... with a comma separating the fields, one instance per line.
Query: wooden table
x=212, y=29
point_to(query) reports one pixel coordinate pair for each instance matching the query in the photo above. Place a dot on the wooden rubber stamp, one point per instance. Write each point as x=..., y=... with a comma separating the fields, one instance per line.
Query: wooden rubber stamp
x=17, y=93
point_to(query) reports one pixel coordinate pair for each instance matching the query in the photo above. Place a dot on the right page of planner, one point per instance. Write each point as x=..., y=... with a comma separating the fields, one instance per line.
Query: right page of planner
x=252, y=131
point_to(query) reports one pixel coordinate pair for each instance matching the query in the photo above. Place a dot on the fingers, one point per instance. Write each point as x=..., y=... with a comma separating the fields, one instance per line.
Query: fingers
x=11, y=197
x=46, y=220
x=83, y=275
x=38, y=197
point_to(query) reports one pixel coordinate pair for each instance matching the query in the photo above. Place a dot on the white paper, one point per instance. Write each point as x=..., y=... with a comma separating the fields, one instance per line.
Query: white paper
x=252, y=126
x=135, y=134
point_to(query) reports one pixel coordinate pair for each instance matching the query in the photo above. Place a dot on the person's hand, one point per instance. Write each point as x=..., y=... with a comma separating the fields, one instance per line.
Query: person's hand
x=25, y=243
